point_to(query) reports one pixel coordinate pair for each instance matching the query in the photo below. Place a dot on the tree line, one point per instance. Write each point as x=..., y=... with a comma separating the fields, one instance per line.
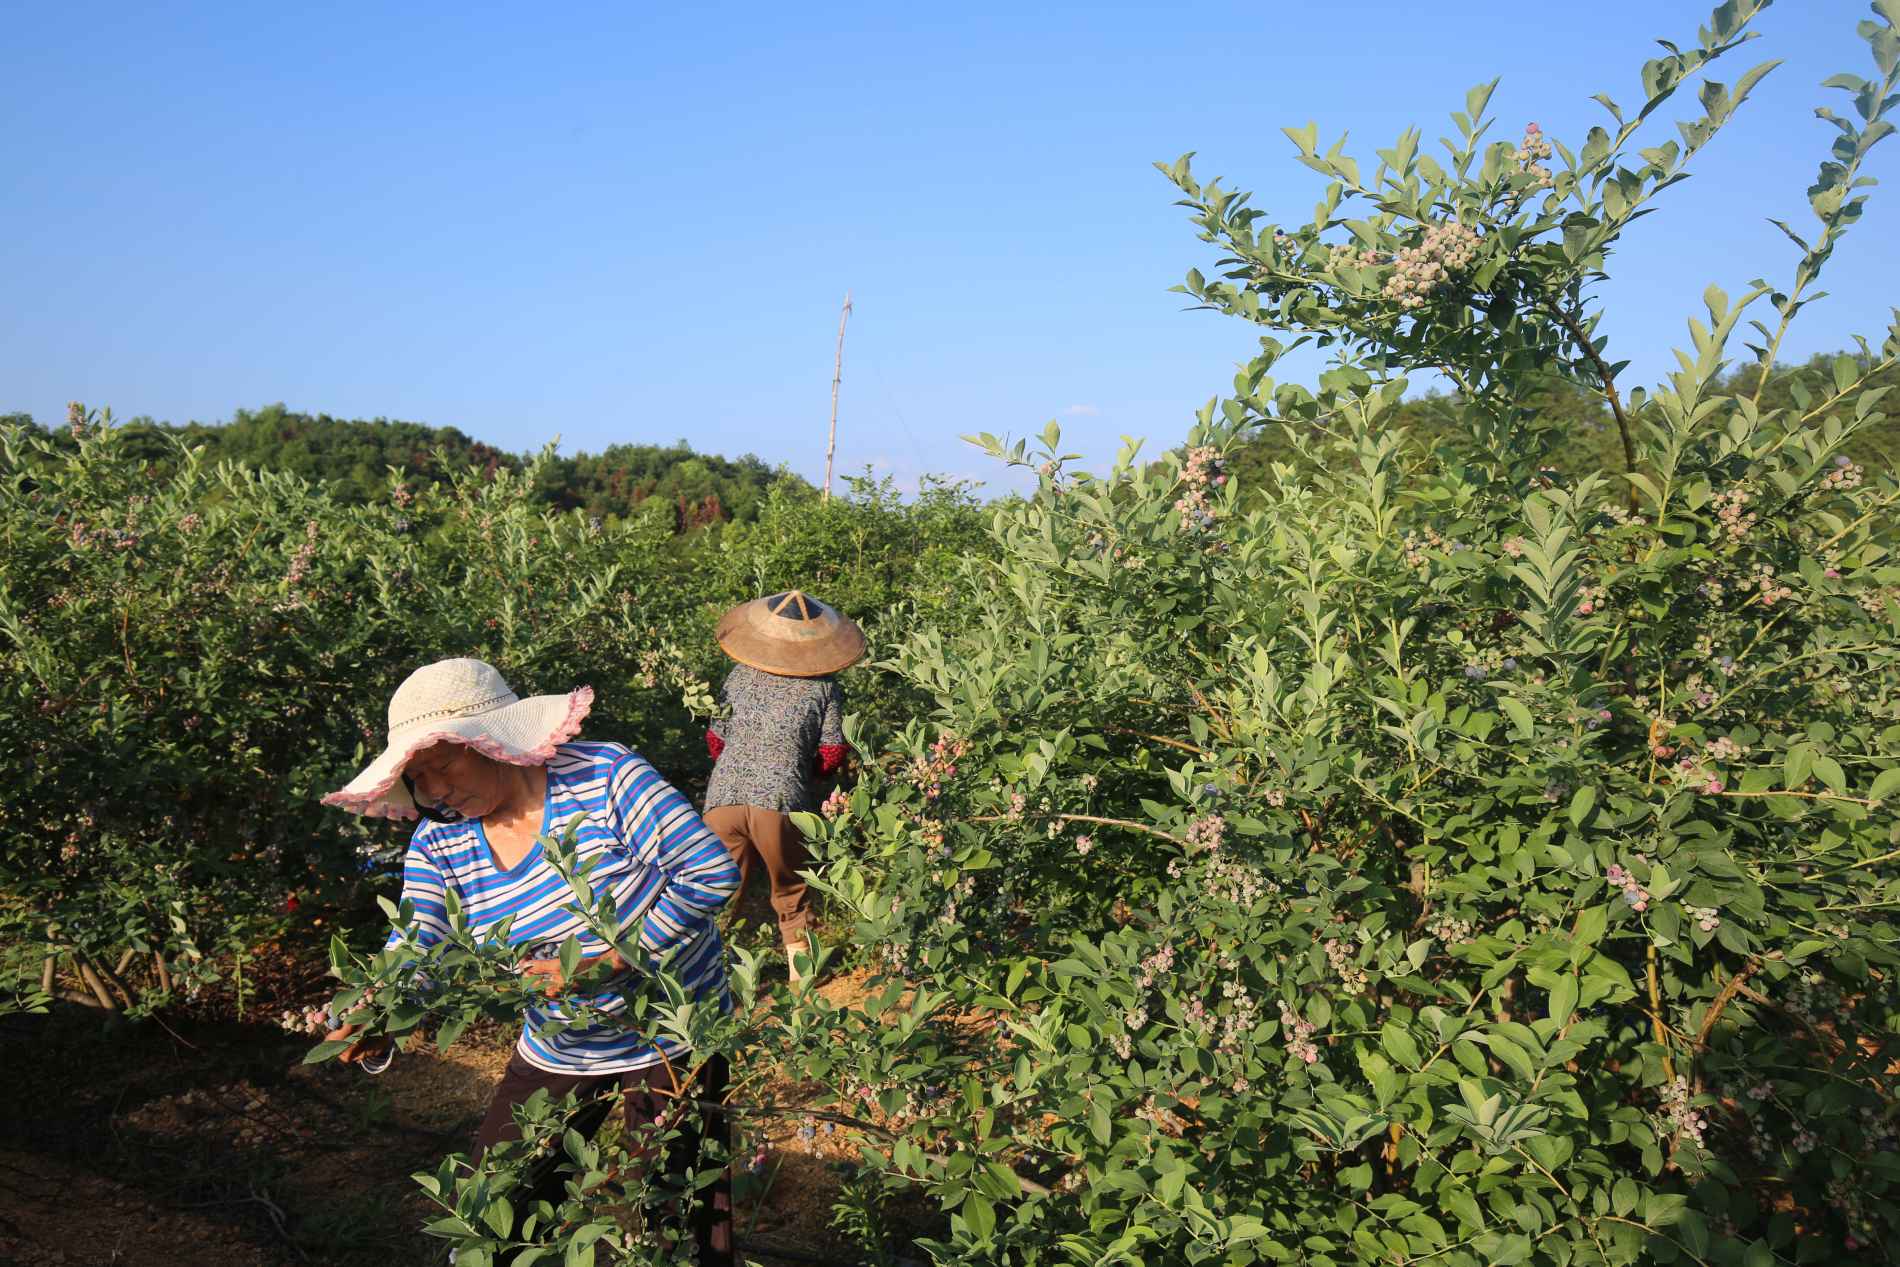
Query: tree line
x=353, y=457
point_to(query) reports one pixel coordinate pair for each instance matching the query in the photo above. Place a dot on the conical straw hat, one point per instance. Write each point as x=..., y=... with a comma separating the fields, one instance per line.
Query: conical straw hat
x=467, y=702
x=791, y=634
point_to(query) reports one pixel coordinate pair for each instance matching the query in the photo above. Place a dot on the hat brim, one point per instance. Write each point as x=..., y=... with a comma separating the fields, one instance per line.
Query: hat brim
x=752, y=635
x=525, y=732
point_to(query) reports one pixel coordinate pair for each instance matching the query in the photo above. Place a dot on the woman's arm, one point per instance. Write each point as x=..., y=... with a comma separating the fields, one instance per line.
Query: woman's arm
x=660, y=829
x=716, y=733
x=831, y=745
x=424, y=889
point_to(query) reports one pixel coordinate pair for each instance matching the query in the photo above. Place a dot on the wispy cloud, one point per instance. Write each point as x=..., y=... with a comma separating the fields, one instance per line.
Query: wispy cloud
x=1081, y=411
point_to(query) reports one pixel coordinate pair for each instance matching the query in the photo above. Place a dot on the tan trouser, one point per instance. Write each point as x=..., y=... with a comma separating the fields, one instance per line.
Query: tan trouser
x=747, y=829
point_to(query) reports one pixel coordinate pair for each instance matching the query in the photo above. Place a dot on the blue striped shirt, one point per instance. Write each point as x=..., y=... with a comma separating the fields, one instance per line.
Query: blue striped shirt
x=647, y=848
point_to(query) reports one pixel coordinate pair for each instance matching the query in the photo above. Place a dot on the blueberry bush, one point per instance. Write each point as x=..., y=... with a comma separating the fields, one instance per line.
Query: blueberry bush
x=1433, y=857
x=191, y=653
x=1445, y=857
x=1434, y=854
x=192, y=658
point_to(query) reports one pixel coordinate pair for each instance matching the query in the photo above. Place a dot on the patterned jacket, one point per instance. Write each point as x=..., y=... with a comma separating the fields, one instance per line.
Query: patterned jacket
x=775, y=736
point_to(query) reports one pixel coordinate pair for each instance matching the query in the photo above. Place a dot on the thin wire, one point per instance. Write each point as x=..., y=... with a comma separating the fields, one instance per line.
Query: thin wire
x=891, y=400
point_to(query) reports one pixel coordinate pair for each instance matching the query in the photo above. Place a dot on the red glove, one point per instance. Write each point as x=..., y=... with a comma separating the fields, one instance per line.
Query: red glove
x=714, y=745
x=830, y=759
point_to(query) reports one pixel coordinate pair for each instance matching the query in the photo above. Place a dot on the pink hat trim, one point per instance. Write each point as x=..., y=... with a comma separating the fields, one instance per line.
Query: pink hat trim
x=375, y=802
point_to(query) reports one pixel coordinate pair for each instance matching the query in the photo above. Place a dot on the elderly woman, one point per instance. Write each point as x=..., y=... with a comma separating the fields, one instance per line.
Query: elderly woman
x=490, y=773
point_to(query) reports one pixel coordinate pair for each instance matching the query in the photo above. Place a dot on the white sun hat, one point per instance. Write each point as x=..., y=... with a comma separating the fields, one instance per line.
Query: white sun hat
x=466, y=702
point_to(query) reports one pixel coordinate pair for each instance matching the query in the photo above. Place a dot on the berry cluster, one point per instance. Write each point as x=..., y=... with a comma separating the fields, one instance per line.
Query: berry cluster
x=1201, y=472
x=1845, y=475
x=929, y=774
x=1447, y=250
x=1415, y=546
x=309, y=1020
x=1206, y=832
x=1299, y=1035
x=1489, y=664
x=1451, y=930
x=1679, y=1112
x=1155, y=966
x=1731, y=509
x=1348, y=255
x=300, y=561
x=1633, y=893
x=1770, y=590
x=1531, y=152
x=1339, y=955
x=1692, y=771
x=1230, y=880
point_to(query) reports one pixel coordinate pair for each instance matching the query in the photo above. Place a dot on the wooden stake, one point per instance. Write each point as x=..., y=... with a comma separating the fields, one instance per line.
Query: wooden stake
x=837, y=373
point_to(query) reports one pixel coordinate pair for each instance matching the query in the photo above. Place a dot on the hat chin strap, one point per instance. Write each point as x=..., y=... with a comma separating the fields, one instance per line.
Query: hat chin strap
x=433, y=813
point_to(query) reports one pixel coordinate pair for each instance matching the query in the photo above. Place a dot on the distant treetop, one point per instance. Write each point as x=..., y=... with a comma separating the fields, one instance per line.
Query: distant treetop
x=353, y=457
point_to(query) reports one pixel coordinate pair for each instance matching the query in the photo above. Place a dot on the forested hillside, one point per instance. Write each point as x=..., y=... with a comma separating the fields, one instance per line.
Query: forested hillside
x=353, y=457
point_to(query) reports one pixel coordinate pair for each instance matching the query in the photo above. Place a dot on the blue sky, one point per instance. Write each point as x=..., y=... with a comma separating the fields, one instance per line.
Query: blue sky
x=618, y=224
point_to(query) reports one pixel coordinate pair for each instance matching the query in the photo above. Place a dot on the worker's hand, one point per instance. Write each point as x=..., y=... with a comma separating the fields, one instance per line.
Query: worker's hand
x=370, y=1049
x=552, y=980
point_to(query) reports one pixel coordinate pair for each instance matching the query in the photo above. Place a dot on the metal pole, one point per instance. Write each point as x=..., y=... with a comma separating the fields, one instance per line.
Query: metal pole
x=837, y=373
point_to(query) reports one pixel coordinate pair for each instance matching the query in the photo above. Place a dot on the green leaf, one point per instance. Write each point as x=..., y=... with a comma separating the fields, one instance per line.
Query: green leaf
x=1829, y=772
x=1520, y=715
x=1512, y=1055
x=1581, y=803
x=979, y=1215
x=1796, y=767
x=1563, y=999
x=1592, y=921
x=1168, y=1187
x=1886, y=783
x=1400, y=1045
